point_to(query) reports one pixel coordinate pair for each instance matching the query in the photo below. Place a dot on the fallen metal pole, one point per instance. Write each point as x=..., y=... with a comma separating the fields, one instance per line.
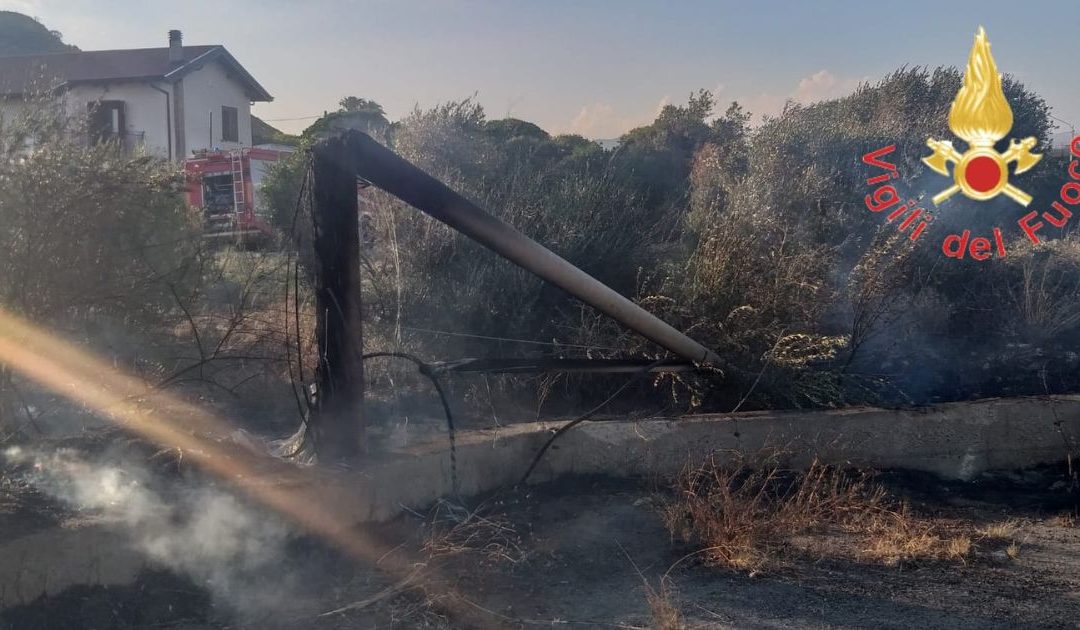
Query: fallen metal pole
x=388, y=171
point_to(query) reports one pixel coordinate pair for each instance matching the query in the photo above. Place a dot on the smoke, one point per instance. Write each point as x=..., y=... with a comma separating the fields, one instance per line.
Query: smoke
x=234, y=551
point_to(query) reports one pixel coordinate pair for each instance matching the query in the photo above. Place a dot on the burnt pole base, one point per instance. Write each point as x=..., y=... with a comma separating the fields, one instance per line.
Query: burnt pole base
x=337, y=423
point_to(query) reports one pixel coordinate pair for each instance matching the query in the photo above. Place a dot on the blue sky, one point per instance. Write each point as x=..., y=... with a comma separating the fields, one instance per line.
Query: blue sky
x=595, y=68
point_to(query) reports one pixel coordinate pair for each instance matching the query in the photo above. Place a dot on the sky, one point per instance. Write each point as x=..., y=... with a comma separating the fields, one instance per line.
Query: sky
x=592, y=68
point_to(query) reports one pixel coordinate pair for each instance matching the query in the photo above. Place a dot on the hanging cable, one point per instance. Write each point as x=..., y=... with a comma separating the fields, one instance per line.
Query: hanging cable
x=586, y=416
x=296, y=381
x=430, y=372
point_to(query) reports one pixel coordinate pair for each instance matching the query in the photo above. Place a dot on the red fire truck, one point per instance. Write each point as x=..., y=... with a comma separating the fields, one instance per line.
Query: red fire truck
x=225, y=186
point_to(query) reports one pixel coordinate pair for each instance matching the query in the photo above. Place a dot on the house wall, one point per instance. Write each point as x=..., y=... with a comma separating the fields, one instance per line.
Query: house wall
x=144, y=110
x=205, y=91
x=12, y=108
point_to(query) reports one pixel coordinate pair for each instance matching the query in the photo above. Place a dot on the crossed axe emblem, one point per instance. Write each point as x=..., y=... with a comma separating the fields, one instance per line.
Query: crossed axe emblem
x=981, y=172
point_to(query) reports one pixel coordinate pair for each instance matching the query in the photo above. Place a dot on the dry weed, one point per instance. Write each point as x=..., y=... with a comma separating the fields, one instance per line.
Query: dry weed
x=904, y=538
x=663, y=610
x=1065, y=519
x=749, y=517
x=1001, y=531
x=1013, y=551
x=455, y=530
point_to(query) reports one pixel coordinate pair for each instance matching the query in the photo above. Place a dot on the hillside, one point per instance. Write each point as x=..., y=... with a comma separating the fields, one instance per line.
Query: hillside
x=264, y=133
x=23, y=35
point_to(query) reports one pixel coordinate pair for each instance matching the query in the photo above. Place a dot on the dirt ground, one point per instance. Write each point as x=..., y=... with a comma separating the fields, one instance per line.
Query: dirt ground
x=577, y=553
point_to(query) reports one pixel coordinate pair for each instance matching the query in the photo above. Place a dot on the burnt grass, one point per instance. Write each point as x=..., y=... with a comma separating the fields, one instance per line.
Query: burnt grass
x=589, y=545
x=155, y=599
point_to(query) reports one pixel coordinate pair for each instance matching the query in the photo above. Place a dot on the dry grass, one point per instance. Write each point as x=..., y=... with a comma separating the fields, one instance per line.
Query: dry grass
x=1013, y=551
x=663, y=611
x=905, y=538
x=750, y=518
x=1003, y=530
x=453, y=530
x=1065, y=519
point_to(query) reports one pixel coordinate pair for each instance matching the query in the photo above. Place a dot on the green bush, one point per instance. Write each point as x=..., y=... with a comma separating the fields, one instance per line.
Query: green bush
x=752, y=240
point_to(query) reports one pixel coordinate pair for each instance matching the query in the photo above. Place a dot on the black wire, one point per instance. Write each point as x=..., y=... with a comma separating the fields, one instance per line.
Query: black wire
x=586, y=416
x=293, y=380
x=429, y=371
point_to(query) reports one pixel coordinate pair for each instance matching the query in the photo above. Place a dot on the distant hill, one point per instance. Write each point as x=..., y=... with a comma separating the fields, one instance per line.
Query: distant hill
x=263, y=133
x=23, y=35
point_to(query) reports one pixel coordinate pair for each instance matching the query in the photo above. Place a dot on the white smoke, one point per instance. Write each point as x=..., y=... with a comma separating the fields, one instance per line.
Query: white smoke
x=234, y=551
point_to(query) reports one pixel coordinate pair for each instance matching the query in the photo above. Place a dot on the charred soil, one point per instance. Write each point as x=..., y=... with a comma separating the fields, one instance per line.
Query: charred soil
x=587, y=552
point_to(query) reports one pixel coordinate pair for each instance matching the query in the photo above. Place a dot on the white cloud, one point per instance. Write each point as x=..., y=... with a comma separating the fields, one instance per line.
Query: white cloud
x=820, y=86
x=823, y=85
x=601, y=120
x=26, y=7
x=604, y=120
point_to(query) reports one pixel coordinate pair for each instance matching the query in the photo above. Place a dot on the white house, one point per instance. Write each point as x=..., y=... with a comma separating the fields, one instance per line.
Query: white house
x=171, y=101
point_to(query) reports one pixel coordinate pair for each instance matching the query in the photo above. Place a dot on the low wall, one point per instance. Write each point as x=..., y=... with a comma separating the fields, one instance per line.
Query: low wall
x=955, y=440
x=53, y=559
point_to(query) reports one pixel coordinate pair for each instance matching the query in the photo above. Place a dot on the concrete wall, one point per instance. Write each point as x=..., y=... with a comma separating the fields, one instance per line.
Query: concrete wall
x=49, y=561
x=11, y=109
x=956, y=440
x=205, y=91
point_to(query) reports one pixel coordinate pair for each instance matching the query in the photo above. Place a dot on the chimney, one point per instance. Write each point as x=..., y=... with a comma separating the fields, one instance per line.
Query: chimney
x=176, y=47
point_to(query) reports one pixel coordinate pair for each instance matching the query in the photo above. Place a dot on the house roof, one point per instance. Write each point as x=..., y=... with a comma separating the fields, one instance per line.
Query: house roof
x=25, y=73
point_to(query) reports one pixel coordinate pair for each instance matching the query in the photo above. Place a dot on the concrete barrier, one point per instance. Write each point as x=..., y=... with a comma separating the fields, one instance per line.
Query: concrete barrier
x=954, y=440
x=70, y=554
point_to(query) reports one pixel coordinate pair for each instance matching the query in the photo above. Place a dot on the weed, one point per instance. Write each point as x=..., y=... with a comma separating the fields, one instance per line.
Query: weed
x=1001, y=531
x=745, y=515
x=1065, y=519
x=663, y=609
x=749, y=517
x=905, y=538
x=454, y=530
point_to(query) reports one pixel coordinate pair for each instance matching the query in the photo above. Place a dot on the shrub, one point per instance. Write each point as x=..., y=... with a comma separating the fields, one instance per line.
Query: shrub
x=87, y=230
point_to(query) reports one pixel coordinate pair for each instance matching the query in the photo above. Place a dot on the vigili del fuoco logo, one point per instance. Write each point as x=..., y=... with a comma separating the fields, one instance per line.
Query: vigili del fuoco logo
x=981, y=117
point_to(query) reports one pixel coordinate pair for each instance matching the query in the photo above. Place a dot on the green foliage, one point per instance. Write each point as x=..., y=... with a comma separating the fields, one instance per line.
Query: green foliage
x=84, y=226
x=263, y=133
x=753, y=240
x=354, y=113
x=281, y=189
x=88, y=233
x=558, y=191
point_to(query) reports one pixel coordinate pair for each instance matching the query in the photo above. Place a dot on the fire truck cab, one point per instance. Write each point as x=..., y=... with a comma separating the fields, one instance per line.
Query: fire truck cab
x=224, y=185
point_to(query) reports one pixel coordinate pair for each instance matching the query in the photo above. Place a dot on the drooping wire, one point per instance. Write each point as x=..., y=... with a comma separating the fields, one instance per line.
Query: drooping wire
x=303, y=403
x=587, y=416
x=512, y=340
x=430, y=372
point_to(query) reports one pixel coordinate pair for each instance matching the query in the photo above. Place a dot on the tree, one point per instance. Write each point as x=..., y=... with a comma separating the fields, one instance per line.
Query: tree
x=356, y=105
x=353, y=113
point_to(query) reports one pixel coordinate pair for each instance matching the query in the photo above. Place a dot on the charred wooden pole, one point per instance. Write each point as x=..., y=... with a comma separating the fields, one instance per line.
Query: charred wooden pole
x=338, y=419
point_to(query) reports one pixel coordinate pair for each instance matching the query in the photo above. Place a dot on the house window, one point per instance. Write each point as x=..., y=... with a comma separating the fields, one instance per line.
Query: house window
x=230, y=129
x=106, y=120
